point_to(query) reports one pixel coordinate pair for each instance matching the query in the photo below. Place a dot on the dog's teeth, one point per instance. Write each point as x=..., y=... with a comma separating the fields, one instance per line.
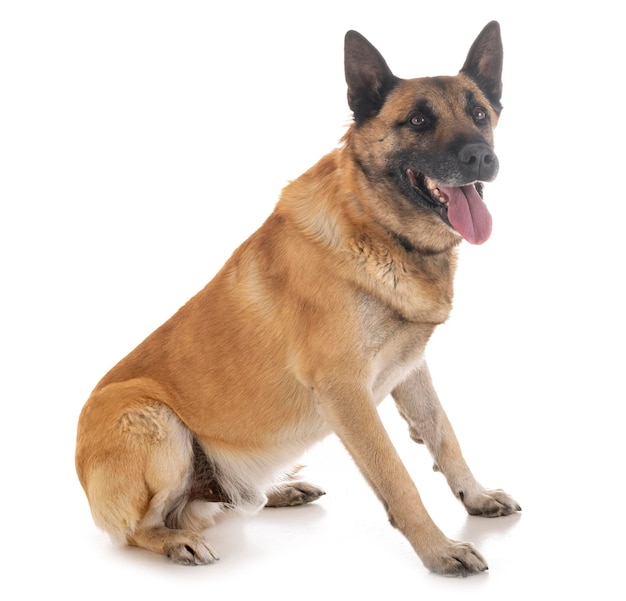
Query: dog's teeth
x=437, y=195
x=435, y=191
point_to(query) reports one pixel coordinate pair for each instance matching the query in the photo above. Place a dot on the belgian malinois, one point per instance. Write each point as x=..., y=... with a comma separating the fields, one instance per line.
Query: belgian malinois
x=313, y=321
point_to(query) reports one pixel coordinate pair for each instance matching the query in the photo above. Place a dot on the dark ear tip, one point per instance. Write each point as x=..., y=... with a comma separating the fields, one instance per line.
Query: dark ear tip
x=353, y=36
x=492, y=29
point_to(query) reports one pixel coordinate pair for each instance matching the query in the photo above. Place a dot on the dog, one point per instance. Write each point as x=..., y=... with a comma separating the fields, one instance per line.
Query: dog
x=315, y=319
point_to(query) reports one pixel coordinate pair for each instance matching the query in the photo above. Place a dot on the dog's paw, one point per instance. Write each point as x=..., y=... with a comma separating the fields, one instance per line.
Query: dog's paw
x=190, y=549
x=293, y=492
x=490, y=503
x=456, y=559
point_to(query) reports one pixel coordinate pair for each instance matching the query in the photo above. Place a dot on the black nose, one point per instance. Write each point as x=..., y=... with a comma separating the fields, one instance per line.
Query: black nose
x=479, y=161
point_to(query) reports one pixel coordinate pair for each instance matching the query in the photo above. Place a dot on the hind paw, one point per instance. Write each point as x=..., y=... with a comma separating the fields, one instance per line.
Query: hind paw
x=190, y=551
x=294, y=492
x=181, y=546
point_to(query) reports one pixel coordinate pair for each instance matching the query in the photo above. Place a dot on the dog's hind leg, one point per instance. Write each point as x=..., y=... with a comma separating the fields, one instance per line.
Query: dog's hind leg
x=418, y=403
x=135, y=461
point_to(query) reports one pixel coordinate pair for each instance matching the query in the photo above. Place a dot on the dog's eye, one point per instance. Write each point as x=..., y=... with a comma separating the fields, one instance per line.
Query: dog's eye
x=418, y=120
x=480, y=114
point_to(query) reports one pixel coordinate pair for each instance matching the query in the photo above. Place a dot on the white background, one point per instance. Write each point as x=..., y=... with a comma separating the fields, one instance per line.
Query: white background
x=141, y=142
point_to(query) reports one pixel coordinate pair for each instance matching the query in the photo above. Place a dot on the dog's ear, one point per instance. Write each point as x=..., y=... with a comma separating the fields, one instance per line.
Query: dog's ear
x=368, y=77
x=484, y=63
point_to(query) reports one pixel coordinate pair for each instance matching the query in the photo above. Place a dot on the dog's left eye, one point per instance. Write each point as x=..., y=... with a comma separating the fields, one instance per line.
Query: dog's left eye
x=480, y=114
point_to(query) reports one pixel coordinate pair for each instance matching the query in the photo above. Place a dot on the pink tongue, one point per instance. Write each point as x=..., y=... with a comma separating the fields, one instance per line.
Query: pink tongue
x=468, y=214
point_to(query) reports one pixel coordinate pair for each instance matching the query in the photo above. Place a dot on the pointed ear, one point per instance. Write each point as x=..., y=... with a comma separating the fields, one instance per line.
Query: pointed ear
x=368, y=77
x=484, y=63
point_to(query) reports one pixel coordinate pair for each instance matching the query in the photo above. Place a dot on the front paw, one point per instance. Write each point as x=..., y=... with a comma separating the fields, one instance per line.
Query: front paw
x=490, y=503
x=455, y=559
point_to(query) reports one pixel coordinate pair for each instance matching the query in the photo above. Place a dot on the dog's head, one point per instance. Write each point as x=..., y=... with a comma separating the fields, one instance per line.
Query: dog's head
x=426, y=144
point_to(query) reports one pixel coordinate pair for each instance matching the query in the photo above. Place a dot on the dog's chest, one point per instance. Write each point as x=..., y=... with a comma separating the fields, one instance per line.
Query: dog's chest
x=392, y=346
x=416, y=286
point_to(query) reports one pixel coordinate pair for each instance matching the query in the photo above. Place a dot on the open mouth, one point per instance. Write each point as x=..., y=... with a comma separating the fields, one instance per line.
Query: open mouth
x=429, y=193
x=460, y=207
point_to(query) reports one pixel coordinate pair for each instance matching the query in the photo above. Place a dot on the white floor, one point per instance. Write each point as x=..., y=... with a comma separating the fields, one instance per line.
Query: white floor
x=140, y=142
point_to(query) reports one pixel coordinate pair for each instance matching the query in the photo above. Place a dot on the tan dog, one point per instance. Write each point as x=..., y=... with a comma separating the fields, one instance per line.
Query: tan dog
x=314, y=320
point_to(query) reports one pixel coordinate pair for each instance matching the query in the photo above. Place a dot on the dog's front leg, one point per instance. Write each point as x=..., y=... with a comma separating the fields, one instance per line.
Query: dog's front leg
x=418, y=403
x=353, y=416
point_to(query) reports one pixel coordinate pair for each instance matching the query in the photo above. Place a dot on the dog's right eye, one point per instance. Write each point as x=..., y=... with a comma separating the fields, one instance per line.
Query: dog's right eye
x=418, y=120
